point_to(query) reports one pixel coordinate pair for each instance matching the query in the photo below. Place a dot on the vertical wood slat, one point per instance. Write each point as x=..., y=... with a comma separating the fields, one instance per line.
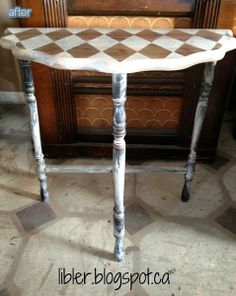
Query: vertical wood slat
x=191, y=91
x=205, y=16
x=55, y=16
x=206, y=13
x=55, y=13
x=65, y=106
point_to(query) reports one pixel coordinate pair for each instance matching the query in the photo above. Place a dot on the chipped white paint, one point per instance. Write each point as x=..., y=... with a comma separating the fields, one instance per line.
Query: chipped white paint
x=119, y=83
x=200, y=114
x=35, y=131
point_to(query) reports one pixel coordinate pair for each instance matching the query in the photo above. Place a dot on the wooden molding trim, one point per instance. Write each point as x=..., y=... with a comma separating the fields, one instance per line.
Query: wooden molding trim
x=205, y=16
x=131, y=7
x=57, y=94
x=65, y=106
x=55, y=14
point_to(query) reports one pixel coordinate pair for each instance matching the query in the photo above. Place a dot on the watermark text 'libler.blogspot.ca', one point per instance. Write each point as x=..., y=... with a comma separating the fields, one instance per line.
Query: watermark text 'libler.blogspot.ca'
x=118, y=279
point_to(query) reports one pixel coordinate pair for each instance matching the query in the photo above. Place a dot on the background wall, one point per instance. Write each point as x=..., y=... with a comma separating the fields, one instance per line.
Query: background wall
x=9, y=69
x=227, y=19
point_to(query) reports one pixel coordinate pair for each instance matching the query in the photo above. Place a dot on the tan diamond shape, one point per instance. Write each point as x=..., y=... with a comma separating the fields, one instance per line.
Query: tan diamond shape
x=209, y=35
x=83, y=51
x=20, y=45
x=187, y=49
x=148, y=35
x=27, y=34
x=217, y=46
x=51, y=49
x=119, y=35
x=155, y=52
x=8, y=32
x=119, y=52
x=59, y=34
x=180, y=35
x=89, y=34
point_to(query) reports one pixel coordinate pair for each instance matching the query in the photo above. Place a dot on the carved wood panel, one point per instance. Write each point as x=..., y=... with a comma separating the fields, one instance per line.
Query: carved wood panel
x=205, y=16
x=146, y=112
x=129, y=22
x=123, y=7
x=55, y=13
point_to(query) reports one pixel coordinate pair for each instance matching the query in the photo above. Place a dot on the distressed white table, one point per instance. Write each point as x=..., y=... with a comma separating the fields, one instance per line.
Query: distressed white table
x=118, y=52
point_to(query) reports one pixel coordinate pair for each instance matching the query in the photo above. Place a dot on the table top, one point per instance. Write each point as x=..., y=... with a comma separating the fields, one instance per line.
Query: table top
x=118, y=50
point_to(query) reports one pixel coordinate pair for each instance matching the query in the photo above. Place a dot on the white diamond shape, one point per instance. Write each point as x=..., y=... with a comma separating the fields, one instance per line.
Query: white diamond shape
x=47, y=30
x=36, y=41
x=69, y=42
x=73, y=30
x=174, y=55
x=190, y=31
x=221, y=31
x=16, y=30
x=135, y=42
x=133, y=31
x=103, y=42
x=12, y=38
x=63, y=54
x=202, y=43
x=104, y=31
x=161, y=31
x=168, y=42
x=136, y=56
x=103, y=58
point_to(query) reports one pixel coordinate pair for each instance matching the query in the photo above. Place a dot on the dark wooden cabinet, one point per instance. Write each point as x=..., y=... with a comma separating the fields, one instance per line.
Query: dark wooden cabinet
x=63, y=94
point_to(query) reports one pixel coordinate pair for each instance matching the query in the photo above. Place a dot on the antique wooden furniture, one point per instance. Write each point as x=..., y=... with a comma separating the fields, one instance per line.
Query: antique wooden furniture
x=118, y=52
x=173, y=95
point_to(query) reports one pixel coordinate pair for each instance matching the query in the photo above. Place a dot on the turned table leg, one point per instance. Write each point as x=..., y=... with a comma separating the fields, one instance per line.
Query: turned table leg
x=119, y=83
x=197, y=127
x=34, y=123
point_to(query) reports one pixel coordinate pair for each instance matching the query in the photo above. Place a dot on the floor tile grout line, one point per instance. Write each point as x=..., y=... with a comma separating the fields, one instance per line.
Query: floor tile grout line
x=18, y=256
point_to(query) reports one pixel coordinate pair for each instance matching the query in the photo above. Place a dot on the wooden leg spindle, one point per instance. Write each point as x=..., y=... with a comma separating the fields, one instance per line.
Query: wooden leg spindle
x=197, y=127
x=119, y=83
x=35, y=131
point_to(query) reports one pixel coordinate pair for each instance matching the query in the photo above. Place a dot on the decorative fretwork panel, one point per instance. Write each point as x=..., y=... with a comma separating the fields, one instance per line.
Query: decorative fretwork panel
x=142, y=112
x=128, y=22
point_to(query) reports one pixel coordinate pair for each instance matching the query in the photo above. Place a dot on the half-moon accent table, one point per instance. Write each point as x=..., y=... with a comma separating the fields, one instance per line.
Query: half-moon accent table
x=118, y=52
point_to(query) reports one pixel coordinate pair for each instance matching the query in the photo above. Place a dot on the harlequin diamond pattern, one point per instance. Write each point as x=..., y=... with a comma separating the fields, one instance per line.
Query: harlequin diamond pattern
x=186, y=48
x=89, y=34
x=59, y=34
x=28, y=34
x=119, y=52
x=148, y=35
x=179, y=35
x=51, y=49
x=209, y=35
x=155, y=52
x=119, y=34
x=84, y=50
x=116, y=44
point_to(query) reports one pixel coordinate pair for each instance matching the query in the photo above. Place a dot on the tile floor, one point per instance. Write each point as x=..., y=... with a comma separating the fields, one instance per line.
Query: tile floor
x=193, y=242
